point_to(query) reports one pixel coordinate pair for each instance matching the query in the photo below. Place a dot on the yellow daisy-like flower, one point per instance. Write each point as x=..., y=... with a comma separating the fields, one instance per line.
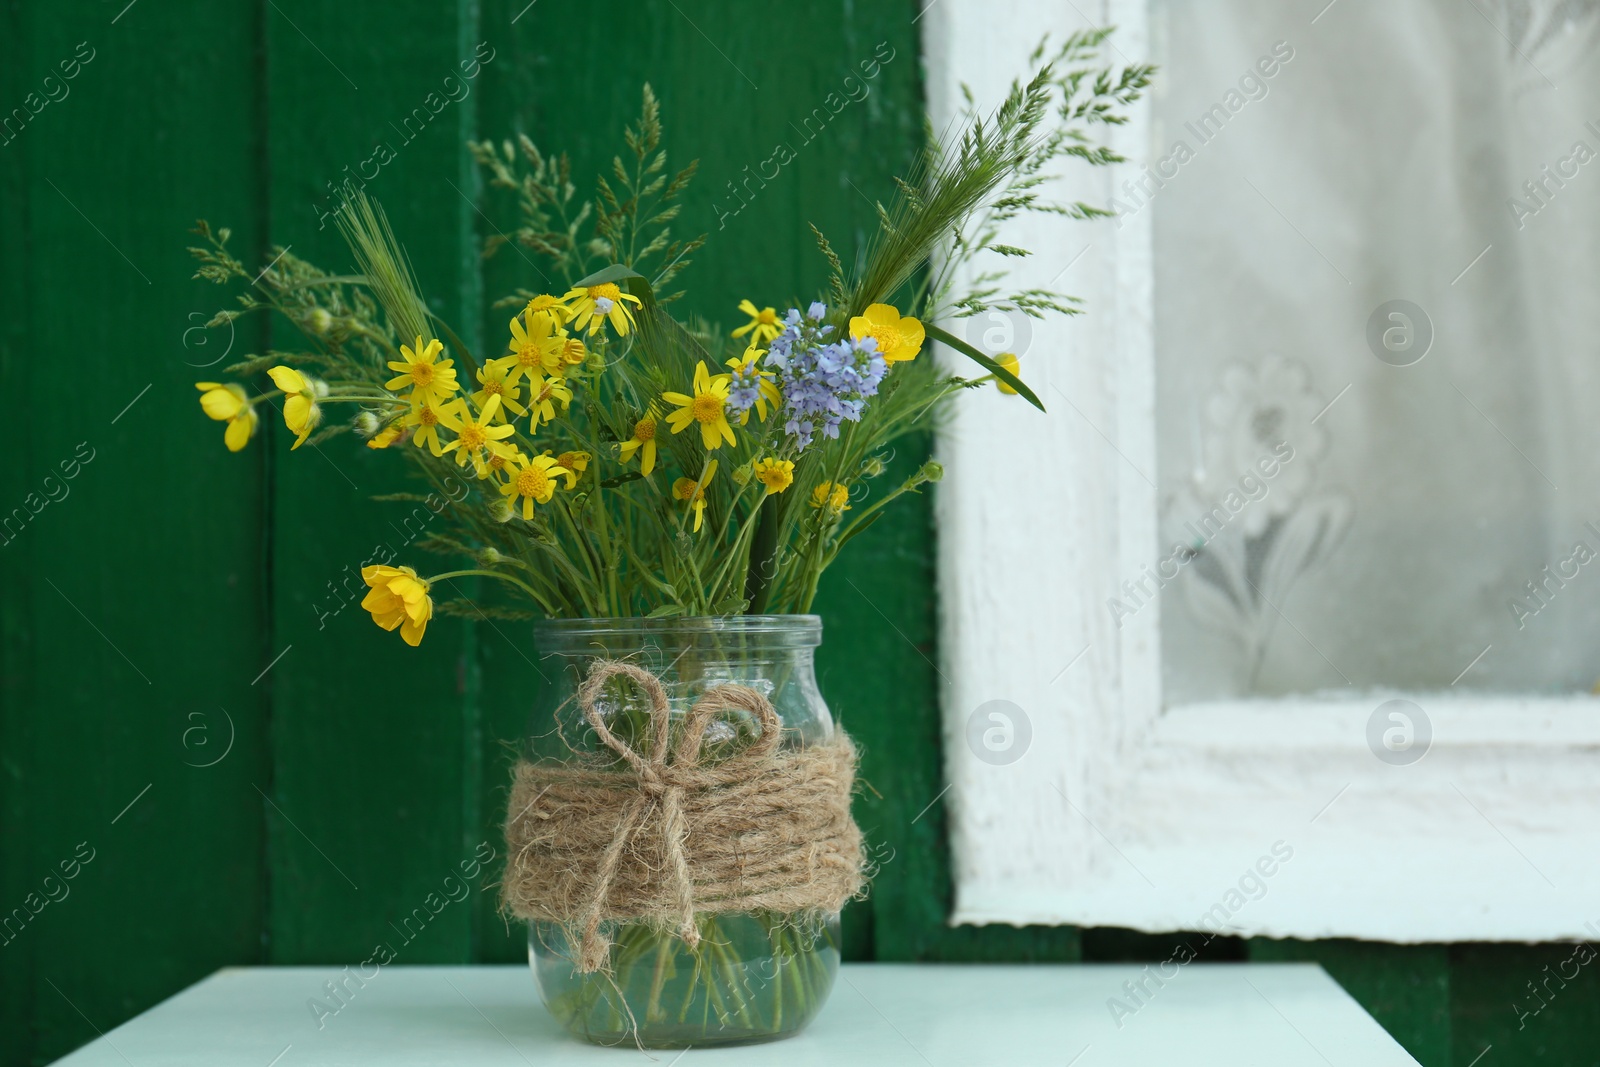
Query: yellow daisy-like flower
x=542, y=400
x=766, y=388
x=473, y=435
x=1009, y=361
x=591, y=305
x=228, y=403
x=551, y=308
x=776, y=474
x=532, y=480
x=573, y=464
x=530, y=350
x=300, y=411
x=502, y=457
x=388, y=435
x=898, y=339
x=495, y=379
x=763, y=324
x=643, y=442
x=423, y=372
x=707, y=407
x=569, y=351
x=695, y=492
x=427, y=416
x=836, y=498
x=398, y=598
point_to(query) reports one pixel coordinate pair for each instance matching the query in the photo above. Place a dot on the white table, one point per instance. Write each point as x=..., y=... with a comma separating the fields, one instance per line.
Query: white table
x=920, y=1015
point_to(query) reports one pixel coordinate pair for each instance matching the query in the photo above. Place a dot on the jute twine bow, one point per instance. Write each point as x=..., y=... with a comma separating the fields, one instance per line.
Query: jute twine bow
x=763, y=829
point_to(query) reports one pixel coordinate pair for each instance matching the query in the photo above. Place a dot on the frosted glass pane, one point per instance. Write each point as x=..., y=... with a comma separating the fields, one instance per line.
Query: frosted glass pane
x=1378, y=347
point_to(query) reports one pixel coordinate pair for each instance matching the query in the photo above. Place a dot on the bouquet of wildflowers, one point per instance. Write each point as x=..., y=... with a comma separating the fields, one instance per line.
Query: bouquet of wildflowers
x=609, y=460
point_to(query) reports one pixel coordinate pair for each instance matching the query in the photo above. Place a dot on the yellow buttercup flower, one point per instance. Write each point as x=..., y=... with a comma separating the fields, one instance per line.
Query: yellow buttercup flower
x=898, y=339
x=643, y=442
x=766, y=387
x=398, y=598
x=695, y=492
x=707, y=407
x=836, y=498
x=228, y=403
x=495, y=379
x=1009, y=362
x=532, y=480
x=300, y=411
x=573, y=464
x=590, y=305
x=421, y=371
x=427, y=416
x=542, y=400
x=776, y=474
x=551, y=308
x=531, y=350
x=473, y=435
x=764, y=323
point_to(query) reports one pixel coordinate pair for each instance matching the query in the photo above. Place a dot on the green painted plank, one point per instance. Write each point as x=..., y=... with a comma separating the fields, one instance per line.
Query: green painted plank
x=133, y=599
x=1407, y=988
x=368, y=810
x=1534, y=1004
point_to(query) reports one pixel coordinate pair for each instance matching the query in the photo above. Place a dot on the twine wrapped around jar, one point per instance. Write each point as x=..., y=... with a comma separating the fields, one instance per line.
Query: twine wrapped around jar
x=766, y=829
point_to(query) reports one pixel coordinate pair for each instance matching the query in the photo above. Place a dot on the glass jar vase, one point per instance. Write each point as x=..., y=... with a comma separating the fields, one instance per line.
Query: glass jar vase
x=754, y=976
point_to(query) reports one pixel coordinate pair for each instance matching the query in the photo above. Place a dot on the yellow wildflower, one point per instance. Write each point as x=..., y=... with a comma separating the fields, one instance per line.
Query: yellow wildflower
x=643, y=442
x=300, y=411
x=228, y=403
x=898, y=339
x=776, y=474
x=531, y=480
x=398, y=598
x=573, y=464
x=707, y=407
x=421, y=371
x=502, y=456
x=1009, y=362
x=695, y=492
x=542, y=401
x=388, y=435
x=569, y=351
x=836, y=498
x=764, y=323
x=548, y=307
x=766, y=388
x=530, y=350
x=427, y=417
x=592, y=304
x=473, y=435
x=495, y=379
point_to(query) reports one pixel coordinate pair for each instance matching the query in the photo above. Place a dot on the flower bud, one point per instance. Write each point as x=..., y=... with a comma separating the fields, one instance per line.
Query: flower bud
x=366, y=424
x=500, y=510
x=490, y=556
x=319, y=321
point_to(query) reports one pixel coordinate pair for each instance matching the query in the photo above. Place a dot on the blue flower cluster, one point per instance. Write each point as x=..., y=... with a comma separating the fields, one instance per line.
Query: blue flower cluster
x=823, y=383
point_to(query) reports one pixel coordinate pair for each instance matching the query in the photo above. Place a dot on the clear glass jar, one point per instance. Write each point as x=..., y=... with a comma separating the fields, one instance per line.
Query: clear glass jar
x=755, y=976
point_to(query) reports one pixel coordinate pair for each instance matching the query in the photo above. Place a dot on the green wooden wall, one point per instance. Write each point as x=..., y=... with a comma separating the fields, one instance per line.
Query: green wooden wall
x=197, y=722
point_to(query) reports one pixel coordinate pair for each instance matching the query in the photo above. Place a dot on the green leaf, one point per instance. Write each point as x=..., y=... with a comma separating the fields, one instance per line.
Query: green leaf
x=947, y=338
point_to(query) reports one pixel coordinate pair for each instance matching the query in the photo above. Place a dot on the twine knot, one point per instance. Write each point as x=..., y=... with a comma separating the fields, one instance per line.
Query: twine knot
x=759, y=829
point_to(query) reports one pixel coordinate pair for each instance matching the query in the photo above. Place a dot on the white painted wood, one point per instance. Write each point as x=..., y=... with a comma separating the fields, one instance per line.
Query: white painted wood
x=1200, y=1015
x=1124, y=811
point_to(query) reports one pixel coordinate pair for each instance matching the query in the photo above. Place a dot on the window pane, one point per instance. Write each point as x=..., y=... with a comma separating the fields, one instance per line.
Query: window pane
x=1377, y=319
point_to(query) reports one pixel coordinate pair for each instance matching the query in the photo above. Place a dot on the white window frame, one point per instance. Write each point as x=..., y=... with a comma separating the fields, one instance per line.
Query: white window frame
x=1124, y=811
